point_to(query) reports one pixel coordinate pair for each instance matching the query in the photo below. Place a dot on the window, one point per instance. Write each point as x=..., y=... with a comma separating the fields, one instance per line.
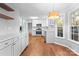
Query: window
x=60, y=31
x=75, y=26
x=59, y=23
x=75, y=33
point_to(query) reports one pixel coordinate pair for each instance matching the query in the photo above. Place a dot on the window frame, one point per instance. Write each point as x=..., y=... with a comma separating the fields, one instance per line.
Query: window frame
x=57, y=31
x=72, y=25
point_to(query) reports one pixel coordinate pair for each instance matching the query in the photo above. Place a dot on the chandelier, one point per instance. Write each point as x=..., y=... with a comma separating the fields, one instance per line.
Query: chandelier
x=53, y=14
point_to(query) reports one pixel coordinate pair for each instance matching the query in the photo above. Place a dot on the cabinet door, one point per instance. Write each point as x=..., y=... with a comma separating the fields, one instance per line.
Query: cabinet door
x=6, y=51
x=50, y=36
x=16, y=48
x=23, y=44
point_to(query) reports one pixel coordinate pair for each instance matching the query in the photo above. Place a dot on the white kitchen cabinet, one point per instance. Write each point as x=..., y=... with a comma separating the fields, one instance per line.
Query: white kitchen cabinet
x=11, y=47
x=50, y=36
x=5, y=48
x=16, y=47
x=24, y=43
x=24, y=35
x=7, y=51
x=50, y=32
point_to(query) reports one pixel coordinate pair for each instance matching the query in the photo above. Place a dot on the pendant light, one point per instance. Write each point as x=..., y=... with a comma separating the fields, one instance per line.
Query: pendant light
x=53, y=14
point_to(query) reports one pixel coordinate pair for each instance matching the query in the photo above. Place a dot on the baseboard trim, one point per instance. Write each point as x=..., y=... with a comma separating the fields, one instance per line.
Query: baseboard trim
x=23, y=50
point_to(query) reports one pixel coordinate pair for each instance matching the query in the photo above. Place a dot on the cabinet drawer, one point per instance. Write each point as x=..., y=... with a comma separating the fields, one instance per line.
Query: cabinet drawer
x=5, y=44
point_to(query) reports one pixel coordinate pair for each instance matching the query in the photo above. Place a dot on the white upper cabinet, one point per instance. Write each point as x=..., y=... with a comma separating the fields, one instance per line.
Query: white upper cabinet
x=39, y=21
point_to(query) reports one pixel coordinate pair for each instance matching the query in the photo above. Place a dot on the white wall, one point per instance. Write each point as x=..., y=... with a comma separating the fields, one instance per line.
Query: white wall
x=30, y=27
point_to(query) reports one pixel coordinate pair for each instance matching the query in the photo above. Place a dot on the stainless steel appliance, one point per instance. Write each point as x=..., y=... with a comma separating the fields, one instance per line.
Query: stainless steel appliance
x=38, y=31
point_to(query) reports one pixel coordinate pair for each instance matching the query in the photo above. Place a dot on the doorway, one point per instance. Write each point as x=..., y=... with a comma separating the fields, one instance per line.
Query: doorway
x=30, y=30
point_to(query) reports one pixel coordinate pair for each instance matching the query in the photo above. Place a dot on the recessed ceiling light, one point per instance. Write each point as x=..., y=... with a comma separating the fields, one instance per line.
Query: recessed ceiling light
x=33, y=17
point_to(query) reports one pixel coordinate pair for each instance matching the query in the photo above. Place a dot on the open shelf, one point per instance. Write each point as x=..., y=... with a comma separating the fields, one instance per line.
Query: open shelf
x=6, y=7
x=6, y=17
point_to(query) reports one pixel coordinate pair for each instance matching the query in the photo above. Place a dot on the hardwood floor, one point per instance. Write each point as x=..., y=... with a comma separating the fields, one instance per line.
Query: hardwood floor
x=37, y=47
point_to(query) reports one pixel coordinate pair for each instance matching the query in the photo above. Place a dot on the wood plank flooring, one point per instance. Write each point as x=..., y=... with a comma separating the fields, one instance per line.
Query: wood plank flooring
x=37, y=47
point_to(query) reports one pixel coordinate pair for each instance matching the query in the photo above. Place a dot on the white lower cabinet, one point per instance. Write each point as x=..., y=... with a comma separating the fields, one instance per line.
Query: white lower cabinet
x=12, y=47
x=23, y=44
x=50, y=36
x=6, y=51
x=6, y=48
x=16, y=46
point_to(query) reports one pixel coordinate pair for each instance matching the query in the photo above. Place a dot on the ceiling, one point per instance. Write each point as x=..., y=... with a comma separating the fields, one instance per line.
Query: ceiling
x=41, y=9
